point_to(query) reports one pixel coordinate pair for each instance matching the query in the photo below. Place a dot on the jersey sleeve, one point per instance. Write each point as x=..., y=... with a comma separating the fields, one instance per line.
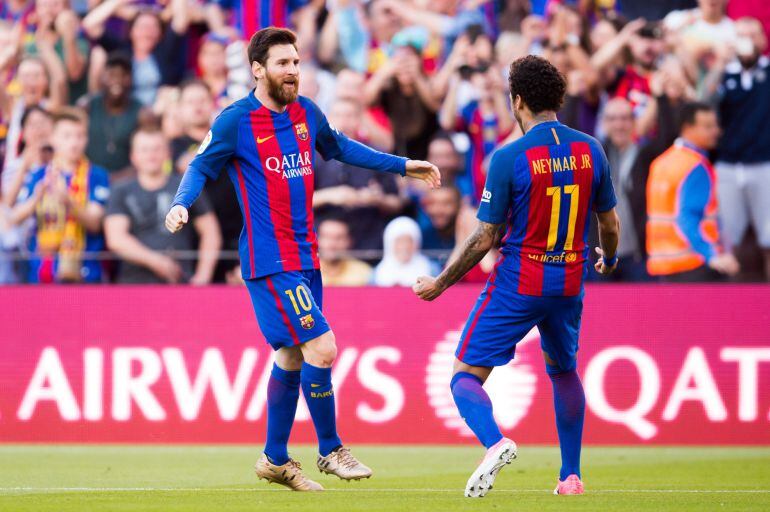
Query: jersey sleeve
x=219, y=145
x=604, y=200
x=496, y=199
x=693, y=197
x=332, y=144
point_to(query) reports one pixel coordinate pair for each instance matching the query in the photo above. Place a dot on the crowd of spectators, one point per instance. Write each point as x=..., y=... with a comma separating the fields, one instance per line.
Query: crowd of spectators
x=104, y=102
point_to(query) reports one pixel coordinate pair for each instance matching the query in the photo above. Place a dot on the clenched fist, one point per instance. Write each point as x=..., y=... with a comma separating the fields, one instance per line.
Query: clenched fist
x=176, y=218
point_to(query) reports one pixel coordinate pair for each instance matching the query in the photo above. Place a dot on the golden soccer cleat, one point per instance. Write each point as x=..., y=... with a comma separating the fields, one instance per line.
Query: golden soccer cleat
x=342, y=463
x=289, y=475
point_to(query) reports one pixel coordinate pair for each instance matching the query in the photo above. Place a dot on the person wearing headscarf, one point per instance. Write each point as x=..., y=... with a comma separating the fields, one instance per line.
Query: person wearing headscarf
x=402, y=262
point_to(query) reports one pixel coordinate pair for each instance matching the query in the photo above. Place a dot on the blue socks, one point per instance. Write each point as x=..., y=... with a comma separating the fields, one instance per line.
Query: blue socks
x=282, y=396
x=569, y=402
x=319, y=395
x=475, y=407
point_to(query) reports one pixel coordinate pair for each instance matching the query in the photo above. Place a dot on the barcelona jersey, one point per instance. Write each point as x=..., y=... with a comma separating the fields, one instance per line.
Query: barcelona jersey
x=543, y=187
x=270, y=159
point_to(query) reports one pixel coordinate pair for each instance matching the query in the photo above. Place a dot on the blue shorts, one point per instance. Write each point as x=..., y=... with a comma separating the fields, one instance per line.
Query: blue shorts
x=288, y=307
x=501, y=318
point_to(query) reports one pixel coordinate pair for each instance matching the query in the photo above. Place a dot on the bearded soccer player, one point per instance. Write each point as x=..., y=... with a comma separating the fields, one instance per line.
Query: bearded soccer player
x=539, y=192
x=267, y=142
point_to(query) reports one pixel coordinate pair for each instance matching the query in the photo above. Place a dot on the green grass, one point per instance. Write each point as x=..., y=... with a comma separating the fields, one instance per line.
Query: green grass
x=220, y=478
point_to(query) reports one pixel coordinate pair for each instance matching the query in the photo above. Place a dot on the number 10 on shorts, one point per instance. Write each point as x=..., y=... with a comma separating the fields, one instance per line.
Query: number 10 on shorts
x=300, y=298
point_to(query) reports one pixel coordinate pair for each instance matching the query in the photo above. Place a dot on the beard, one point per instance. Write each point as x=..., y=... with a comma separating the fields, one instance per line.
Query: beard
x=282, y=91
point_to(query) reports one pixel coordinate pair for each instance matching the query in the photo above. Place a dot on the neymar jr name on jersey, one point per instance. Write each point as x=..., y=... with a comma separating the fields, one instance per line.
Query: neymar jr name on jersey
x=566, y=163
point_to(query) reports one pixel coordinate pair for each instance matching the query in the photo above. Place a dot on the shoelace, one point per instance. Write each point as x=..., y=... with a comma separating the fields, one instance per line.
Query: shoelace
x=345, y=458
x=297, y=473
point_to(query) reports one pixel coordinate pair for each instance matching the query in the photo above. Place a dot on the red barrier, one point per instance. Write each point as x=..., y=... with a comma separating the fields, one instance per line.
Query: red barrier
x=660, y=364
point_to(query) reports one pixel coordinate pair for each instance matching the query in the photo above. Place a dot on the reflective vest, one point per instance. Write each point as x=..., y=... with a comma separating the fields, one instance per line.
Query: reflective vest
x=669, y=249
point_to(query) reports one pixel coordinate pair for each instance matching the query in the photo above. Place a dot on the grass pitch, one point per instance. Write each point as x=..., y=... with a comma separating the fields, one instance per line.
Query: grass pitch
x=220, y=478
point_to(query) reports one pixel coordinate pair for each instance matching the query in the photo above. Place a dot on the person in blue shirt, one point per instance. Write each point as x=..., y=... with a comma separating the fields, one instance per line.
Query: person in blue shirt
x=67, y=199
x=267, y=142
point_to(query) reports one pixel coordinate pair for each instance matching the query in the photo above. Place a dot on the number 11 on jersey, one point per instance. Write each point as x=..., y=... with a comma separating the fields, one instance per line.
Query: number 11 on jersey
x=553, y=231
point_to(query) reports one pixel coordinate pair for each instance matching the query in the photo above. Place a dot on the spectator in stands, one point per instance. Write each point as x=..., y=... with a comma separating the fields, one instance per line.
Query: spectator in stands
x=443, y=153
x=113, y=115
x=41, y=82
x=134, y=224
x=364, y=198
x=374, y=125
x=706, y=26
x=402, y=89
x=223, y=69
x=630, y=188
x=361, y=32
x=155, y=49
x=402, y=261
x=337, y=268
x=743, y=164
x=486, y=120
x=683, y=242
x=67, y=199
x=630, y=80
x=196, y=108
x=441, y=207
x=57, y=26
x=35, y=147
x=196, y=111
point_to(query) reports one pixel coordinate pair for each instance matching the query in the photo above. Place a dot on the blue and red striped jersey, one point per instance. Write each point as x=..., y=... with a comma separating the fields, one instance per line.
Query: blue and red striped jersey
x=543, y=186
x=485, y=135
x=270, y=158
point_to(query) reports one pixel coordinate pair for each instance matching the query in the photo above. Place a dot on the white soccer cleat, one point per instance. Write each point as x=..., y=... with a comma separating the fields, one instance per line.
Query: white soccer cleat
x=341, y=462
x=482, y=480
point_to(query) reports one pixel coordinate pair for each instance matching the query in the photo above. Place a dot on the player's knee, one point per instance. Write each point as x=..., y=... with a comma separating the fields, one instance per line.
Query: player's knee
x=321, y=351
x=289, y=359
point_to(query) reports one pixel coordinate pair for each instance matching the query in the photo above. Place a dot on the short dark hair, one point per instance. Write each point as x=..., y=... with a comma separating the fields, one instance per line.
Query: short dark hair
x=119, y=60
x=540, y=85
x=689, y=112
x=264, y=39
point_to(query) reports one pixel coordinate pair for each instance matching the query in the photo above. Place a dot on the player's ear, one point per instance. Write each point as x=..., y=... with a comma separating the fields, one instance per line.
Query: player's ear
x=258, y=70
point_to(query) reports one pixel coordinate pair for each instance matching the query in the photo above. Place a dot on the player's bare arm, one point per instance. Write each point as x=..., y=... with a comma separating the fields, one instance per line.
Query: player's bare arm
x=609, y=232
x=473, y=251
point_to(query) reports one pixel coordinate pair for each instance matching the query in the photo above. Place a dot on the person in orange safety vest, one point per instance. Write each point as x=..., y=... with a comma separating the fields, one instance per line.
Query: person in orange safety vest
x=682, y=231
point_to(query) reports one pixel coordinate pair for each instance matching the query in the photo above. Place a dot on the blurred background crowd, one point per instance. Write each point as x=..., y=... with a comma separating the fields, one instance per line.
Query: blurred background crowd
x=104, y=102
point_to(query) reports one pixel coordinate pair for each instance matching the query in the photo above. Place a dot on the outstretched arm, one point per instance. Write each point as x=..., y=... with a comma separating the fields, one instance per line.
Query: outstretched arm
x=333, y=144
x=474, y=249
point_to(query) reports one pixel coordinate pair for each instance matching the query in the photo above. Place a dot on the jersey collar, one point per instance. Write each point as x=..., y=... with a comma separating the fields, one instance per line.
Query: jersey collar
x=544, y=125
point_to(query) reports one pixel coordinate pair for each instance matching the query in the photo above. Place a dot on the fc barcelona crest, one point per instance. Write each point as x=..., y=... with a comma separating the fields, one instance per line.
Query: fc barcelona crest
x=307, y=321
x=301, y=129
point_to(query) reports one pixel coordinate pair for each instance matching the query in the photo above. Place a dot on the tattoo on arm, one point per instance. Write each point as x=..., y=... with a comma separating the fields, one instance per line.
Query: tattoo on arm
x=474, y=249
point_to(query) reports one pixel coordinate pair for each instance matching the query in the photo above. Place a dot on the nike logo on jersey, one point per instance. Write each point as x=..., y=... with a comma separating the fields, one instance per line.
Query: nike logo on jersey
x=260, y=140
x=315, y=385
